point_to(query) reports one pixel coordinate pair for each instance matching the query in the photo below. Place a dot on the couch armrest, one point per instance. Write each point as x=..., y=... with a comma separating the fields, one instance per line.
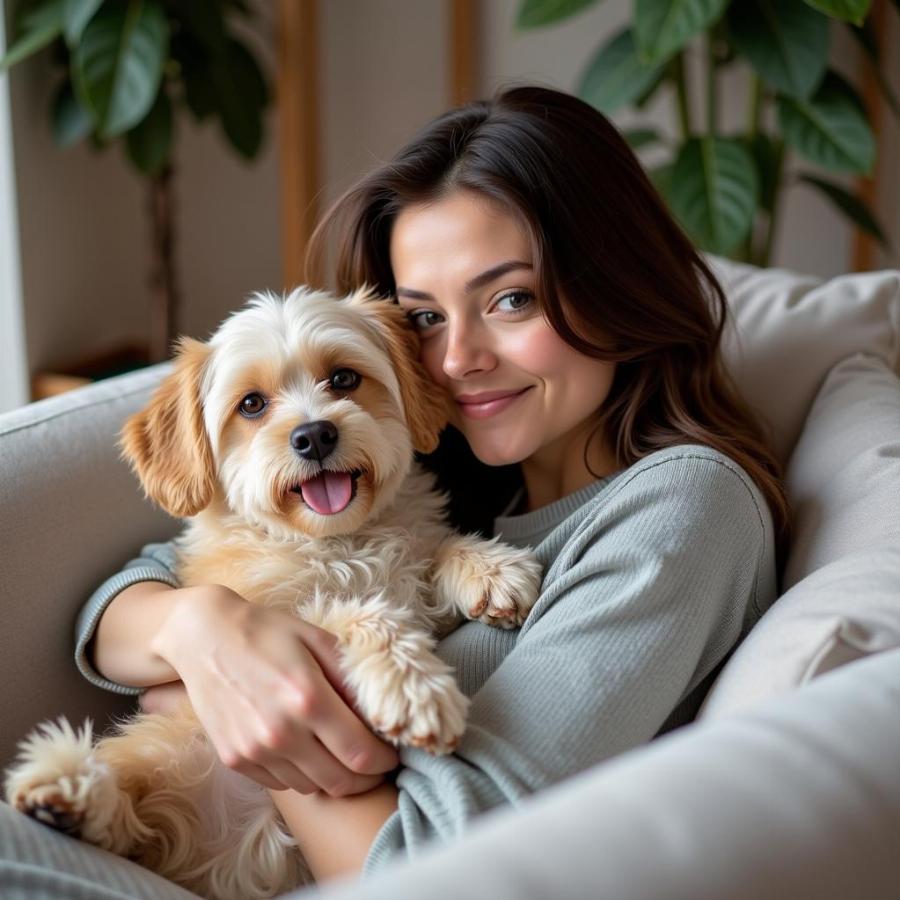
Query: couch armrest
x=798, y=797
x=71, y=514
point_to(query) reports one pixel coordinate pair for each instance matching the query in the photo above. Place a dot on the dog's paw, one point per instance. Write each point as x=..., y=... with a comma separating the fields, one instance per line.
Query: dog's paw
x=422, y=709
x=503, y=588
x=53, y=776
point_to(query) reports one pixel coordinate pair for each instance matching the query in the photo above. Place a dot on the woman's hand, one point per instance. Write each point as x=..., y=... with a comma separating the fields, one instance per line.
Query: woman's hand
x=267, y=688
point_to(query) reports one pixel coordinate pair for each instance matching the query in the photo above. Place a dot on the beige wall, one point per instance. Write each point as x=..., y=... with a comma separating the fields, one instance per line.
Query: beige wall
x=383, y=71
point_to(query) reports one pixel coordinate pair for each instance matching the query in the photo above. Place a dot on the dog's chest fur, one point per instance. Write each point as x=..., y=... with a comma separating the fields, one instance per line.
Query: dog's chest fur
x=393, y=552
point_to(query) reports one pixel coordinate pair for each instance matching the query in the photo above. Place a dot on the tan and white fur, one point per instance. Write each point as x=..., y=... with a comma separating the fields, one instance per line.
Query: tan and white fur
x=385, y=573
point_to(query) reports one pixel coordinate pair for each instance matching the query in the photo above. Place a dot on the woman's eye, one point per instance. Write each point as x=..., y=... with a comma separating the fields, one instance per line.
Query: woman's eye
x=345, y=379
x=518, y=300
x=425, y=318
x=252, y=405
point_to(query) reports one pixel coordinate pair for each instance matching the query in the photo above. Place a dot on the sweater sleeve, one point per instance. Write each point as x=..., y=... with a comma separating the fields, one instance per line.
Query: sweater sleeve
x=156, y=562
x=645, y=597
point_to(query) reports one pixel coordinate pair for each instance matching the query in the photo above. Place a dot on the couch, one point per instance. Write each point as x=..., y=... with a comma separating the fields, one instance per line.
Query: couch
x=786, y=786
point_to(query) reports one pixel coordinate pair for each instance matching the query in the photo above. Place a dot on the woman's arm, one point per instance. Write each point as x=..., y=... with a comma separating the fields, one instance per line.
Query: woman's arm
x=336, y=832
x=266, y=686
x=123, y=648
x=643, y=600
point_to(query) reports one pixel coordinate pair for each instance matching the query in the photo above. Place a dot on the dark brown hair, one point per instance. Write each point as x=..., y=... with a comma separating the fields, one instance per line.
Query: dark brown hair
x=616, y=277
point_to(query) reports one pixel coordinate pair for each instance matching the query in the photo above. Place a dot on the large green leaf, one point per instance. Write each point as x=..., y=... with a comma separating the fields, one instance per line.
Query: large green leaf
x=848, y=10
x=767, y=155
x=70, y=121
x=642, y=137
x=615, y=76
x=663, y=27
x=830, y=129
x=203, y=19
x=241, y=96
x=786, y=42
x=714, y=191
x=149, y=143
x=534, y=13
x=36, y=27
x=76, y=15
x=852, y=206
x=117, y=66
x=196, y=75
x=661, y=177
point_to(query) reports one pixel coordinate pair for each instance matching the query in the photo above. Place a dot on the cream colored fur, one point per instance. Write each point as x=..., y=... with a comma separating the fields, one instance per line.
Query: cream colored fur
x=387, y=575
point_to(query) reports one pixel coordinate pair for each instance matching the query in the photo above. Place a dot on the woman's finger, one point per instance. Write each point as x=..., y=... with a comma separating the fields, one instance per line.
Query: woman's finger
x=323, y=645
x=163, y=698
x=347, y=738
x=263, y=777
x=289, y=777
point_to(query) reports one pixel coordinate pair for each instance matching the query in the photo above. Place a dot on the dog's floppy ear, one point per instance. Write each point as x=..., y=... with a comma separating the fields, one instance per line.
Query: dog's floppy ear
x=166, y=442
x=427, y=407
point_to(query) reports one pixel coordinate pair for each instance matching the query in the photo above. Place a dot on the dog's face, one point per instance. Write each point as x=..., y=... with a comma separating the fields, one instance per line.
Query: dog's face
x=300, y=415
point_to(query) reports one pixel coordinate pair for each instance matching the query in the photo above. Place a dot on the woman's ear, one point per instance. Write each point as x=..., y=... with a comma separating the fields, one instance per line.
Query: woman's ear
x=166, y=443
x=426, y=405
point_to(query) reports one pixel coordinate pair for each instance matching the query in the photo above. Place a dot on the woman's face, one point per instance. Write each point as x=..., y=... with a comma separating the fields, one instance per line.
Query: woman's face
x=463, y=270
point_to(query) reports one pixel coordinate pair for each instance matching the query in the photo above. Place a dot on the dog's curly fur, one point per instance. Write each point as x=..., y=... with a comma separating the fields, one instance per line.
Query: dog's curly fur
x=382, y=570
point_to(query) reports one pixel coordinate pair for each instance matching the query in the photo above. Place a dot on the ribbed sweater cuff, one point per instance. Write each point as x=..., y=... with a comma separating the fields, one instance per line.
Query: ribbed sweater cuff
x=94, y=609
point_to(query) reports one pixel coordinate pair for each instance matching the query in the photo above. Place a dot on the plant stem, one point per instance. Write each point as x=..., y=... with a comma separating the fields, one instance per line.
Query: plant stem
x=163, y=277
x=765, y=257
x=711, y=74
x=754, y=114
x=754, y=106
x=684, y=112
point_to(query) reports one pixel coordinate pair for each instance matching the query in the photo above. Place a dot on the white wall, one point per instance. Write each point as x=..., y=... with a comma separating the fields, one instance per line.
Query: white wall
x=13, y=369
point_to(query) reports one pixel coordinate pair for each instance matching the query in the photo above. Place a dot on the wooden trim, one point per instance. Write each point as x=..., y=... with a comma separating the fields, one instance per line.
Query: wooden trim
x=463, y=50
x=299, y=131
x=865, y=246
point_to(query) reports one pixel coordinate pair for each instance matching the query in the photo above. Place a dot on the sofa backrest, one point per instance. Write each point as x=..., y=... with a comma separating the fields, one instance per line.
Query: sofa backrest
x=71, y=514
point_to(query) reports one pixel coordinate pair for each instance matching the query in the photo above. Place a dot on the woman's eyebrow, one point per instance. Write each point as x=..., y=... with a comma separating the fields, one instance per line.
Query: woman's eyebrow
x=478, y=281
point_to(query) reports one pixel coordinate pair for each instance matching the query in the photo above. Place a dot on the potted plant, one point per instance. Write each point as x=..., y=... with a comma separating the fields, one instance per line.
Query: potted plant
x=725, y=188
x=128, y=70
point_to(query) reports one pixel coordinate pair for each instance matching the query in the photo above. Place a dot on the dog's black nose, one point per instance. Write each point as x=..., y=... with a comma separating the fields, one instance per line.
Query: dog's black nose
x=315, y=440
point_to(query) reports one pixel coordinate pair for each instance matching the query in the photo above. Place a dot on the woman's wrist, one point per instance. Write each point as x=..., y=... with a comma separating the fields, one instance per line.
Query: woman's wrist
x=188, y=621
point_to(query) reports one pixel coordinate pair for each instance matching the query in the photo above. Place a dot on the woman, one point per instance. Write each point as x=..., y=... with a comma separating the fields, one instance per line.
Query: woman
x=578, y=331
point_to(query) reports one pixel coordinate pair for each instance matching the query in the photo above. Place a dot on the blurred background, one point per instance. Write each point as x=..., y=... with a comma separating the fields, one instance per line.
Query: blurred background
x=262, y=113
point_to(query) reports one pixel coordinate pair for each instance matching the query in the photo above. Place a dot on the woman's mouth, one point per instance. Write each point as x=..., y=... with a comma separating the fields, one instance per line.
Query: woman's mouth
x=490, y=403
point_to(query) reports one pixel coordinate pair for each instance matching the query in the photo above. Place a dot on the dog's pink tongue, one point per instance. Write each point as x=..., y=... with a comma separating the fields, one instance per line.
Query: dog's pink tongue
x=328, y=493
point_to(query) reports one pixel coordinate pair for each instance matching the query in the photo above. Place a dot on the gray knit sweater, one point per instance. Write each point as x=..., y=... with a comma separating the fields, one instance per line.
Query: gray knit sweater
x=652, y=575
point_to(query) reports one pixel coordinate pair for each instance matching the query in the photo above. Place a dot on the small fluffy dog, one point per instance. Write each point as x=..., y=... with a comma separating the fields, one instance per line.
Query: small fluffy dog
x=288, y=441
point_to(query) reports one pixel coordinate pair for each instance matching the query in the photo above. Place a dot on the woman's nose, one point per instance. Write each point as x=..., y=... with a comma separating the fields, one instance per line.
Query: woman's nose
x=468, y=350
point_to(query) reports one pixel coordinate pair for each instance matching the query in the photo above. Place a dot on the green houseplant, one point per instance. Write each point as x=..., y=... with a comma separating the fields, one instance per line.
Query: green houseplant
x=725, y=187
x=128, y=69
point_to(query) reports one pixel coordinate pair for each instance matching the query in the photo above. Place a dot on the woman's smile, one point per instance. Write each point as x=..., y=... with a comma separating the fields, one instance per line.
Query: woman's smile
x=490, y=403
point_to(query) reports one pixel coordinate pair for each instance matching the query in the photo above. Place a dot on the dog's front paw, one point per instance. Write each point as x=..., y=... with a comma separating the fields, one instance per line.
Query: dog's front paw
x=54, y=775
x=499, y=585
x=423, y=707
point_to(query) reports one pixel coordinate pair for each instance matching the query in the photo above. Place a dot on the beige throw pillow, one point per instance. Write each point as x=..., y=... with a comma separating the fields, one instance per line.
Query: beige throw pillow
x=790, y=329
x=843, y=571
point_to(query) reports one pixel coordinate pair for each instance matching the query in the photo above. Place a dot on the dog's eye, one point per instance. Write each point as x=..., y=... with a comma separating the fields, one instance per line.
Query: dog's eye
x=345, y=379
x=252, y=405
